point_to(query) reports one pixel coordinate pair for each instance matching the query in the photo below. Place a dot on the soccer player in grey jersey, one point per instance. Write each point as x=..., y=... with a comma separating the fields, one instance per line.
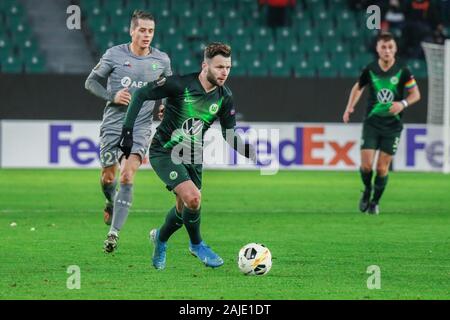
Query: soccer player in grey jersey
x=127, y=67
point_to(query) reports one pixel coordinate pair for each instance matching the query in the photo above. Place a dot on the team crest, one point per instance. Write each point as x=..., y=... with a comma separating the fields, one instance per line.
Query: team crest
x=154, y=66
x=214, y=108
x=173, y=175
x=394, y=80
x=127, y=64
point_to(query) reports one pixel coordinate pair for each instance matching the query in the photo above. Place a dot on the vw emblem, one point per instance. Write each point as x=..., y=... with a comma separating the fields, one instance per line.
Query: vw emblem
x=385, y=96
x=192, y=127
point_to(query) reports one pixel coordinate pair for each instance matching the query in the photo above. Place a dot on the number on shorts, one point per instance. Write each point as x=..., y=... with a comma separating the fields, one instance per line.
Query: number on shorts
x=108, y=158
x=396, y=142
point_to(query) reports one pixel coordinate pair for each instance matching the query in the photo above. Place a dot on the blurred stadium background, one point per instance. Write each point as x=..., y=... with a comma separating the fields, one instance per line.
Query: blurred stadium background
x=323, y=46
x=295, y=77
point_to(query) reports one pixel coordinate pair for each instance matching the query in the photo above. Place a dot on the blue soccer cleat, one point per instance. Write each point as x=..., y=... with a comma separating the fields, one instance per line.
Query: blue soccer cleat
x=205, y=255
x=159, y=250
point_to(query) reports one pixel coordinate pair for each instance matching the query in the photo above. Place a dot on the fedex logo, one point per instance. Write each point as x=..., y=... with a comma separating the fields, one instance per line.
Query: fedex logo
x=310, y=146
x=419, y=142
x=82, y=150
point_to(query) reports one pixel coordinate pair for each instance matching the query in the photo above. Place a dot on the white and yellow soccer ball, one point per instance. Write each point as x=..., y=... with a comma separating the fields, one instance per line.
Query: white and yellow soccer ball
x=254, y=259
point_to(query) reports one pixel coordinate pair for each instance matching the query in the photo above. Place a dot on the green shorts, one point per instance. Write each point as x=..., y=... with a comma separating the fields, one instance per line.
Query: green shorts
x=172, y=174
x=376, y=139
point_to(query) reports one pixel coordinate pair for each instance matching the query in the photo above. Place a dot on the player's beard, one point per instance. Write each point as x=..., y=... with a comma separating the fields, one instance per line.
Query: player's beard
x=211, y=79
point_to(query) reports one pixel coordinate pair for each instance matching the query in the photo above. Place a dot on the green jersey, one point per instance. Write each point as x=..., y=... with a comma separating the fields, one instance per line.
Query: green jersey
x=190, y=110
x=385, y=87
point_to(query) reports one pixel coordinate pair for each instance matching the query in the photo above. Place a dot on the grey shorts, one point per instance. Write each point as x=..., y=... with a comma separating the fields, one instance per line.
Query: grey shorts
x=110, y=154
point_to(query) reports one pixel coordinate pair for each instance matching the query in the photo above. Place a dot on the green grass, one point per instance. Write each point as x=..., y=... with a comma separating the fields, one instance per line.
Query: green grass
x=321, y=244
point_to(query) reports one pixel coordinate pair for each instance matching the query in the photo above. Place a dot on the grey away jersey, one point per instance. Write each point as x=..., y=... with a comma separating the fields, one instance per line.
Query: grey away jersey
x=126, y=70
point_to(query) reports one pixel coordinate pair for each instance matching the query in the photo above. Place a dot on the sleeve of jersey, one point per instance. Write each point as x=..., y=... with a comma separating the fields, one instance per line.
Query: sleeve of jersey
x=228, y=115
x=105, y=65
x=228, y=124
x=410, y=81
x=363, y=78
x=158, y=89
x=168, y=68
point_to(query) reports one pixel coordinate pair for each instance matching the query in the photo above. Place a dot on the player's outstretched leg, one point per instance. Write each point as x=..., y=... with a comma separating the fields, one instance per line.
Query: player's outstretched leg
x=159, y=250
x=191, y=197
x=108, y=183
x=159, y=237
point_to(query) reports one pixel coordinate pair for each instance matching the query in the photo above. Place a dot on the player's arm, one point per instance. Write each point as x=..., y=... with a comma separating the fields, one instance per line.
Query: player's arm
x=228, y=125
x=412, y=97
x=355, y=95
x=167, y=72
x=94, y=86
x=158, y=89
x=101, y=71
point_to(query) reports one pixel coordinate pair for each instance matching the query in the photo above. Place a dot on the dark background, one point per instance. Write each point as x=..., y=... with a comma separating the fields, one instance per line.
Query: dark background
x=63, y=97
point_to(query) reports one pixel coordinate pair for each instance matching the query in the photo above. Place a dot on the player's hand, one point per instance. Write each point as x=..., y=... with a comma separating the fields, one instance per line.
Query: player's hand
x=346, y=116
x=161, y=112
x=126, y=141
x=396, y=108
x=122, y=97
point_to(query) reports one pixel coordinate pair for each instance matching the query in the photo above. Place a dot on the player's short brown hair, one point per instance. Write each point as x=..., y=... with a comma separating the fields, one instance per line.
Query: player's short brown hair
x=385, y=36
x=217, y=48
x=140, y=14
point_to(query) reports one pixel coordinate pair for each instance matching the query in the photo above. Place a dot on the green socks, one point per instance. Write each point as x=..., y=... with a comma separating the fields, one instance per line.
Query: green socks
x=366, y=178
x=191, y=219
x=380, y=185
x=173, y=222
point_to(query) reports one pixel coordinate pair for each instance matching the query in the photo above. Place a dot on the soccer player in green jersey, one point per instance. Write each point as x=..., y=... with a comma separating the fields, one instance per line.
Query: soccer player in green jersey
x=194, y=102
x=387, y=81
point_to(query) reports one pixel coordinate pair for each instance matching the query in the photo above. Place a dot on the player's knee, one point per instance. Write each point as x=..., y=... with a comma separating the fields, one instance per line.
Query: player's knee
x=382, y=170
x=126, y=176
x=193, y=201
x=108, y=177
x=366, y=167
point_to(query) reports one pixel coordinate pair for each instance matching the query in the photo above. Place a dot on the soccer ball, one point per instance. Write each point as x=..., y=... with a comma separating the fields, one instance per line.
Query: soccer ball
x=254, y=259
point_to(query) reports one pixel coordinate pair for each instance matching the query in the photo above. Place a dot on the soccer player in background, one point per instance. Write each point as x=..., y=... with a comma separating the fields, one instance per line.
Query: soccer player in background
x=387, y=80
x=194, y=102
x=127, y=67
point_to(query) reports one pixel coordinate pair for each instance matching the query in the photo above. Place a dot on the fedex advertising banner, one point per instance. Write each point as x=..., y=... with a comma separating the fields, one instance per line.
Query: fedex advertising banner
x=321, y=146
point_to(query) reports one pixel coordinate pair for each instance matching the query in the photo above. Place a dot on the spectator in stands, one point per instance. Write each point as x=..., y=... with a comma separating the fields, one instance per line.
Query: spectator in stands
x=421, y=21
x=278, y=12
x=394, y=17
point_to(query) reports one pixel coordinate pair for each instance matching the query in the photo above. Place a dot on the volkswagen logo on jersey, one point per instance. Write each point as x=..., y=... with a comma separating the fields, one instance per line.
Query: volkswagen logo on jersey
x=125, y=82
x=192, y=127
x=385, y=96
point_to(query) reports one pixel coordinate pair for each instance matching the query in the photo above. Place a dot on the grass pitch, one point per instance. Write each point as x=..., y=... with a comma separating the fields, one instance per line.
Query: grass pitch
x=321, y=245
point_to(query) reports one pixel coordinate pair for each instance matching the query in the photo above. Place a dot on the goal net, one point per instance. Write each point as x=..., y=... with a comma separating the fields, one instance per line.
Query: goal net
x=438, y=111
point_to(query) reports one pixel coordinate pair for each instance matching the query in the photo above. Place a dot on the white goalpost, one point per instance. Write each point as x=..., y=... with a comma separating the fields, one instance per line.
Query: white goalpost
x=438, y=111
